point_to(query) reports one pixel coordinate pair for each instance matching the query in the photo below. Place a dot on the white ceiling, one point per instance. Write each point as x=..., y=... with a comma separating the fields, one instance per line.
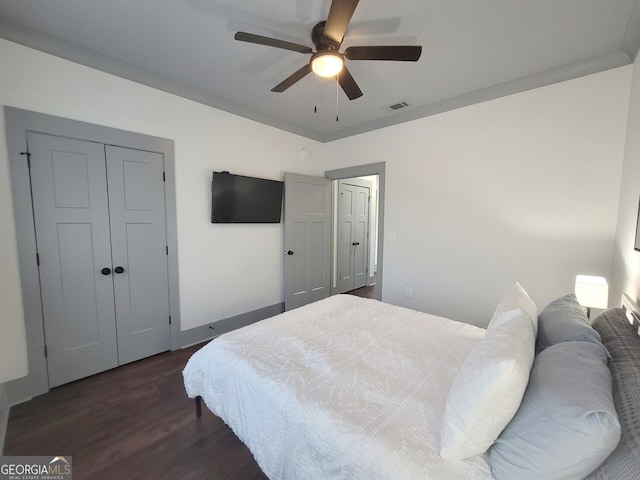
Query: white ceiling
x=472, y=51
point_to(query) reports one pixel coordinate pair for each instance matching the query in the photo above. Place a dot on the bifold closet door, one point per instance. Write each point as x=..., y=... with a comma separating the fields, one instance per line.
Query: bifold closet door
x=361, y=251
x=138, y=241
x=99, y=214
x=353, y=228
x=71, y=213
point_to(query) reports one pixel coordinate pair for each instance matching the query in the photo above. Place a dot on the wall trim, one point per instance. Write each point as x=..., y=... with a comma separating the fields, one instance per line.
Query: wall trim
x=43, y=42
x=4, y=417
x=4, y=421
x=212, y=330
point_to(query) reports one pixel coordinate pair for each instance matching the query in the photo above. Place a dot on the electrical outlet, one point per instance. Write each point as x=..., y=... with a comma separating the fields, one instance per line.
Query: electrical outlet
x=408, y=292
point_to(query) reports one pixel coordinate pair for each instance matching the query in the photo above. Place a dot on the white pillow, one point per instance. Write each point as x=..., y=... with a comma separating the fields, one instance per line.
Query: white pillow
x=487, y=390
x=513, y=299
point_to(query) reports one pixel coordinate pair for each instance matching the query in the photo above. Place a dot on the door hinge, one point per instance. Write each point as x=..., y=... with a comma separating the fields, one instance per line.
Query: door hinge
x=166, y=247
x=28, y=158
x=37, y=259
x=169, y=319
x=164, y=177
x=46, y=353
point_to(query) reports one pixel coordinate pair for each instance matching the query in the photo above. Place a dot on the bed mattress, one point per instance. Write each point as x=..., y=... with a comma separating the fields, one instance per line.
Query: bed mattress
x=344, y=388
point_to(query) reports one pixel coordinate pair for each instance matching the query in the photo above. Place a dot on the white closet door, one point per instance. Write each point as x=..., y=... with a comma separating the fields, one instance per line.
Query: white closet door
x=353, y=234
x=138, y=239
x=71, y=213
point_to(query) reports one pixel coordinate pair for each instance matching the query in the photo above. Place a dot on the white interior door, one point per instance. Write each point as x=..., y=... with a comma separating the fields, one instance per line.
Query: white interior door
x=71, y=214
x=307, y=239
x=353, y=234
x=361, y=239
x=139, y=252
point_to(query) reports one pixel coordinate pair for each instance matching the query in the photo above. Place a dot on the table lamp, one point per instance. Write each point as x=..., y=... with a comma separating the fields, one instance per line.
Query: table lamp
x=592, y=292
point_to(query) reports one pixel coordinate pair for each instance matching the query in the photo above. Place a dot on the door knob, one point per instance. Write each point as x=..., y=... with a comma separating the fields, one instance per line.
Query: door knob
x=105, y=271
x=119, y=270
x=355, y=244
x=289, y=252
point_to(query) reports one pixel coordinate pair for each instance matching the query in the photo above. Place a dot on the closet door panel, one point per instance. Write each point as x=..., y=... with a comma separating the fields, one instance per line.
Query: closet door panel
x=138, y=238
x=68, y=181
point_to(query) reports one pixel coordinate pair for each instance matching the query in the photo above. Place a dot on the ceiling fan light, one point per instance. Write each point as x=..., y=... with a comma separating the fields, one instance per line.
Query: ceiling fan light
x=327, y=64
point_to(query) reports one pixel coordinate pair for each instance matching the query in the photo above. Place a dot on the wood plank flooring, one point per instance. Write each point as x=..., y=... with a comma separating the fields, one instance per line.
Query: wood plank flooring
x=133, y=422
x=366, y=292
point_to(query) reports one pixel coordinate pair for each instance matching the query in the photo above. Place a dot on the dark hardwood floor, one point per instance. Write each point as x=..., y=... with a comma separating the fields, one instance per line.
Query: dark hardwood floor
x=133, y=422
x=366, y=292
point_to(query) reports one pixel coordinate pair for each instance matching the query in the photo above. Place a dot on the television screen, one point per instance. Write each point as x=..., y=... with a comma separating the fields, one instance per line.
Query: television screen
x=239, y=199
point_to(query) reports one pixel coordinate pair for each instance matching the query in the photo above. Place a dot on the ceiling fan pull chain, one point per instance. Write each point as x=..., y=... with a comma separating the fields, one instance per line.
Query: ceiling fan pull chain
x=315, y=94
x=337, y=95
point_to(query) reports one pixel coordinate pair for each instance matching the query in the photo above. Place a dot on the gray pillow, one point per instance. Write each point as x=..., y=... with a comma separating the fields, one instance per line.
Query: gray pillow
x=564, y=320
x=567, y=423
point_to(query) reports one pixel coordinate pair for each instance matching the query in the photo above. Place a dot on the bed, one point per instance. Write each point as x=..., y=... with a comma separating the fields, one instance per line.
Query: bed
x=354, y=388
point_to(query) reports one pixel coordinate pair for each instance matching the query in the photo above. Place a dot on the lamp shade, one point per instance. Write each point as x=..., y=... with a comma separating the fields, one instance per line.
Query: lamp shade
x=592, y=292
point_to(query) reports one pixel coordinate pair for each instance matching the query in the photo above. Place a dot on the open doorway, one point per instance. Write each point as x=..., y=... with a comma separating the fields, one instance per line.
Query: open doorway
x=354, y=235
x=345, y=259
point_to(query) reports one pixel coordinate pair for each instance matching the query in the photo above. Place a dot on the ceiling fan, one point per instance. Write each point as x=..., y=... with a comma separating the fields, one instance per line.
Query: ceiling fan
x=327, y=61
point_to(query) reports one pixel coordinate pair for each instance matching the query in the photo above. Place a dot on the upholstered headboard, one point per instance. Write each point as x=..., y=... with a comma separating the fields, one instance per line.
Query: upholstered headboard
x=631, y=310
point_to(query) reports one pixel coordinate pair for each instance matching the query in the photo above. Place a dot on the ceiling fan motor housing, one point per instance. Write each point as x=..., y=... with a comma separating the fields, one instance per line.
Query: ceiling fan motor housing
x=319, y=40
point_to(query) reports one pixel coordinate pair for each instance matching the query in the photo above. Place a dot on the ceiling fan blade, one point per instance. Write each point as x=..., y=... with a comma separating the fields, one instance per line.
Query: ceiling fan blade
x=348, y=84
x=402, y=53
x=293, y=78
x=271, y=42
x=340, y=14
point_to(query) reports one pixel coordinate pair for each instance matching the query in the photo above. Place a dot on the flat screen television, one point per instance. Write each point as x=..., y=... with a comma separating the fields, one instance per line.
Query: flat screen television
x=240, y=199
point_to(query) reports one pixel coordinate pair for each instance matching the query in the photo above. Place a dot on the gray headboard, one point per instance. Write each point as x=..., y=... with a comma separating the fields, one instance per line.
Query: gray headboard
x=618, y=329
x=631, y=310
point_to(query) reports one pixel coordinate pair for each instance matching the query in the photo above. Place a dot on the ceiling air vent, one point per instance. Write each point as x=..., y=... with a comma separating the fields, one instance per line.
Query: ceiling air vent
x=397, y=106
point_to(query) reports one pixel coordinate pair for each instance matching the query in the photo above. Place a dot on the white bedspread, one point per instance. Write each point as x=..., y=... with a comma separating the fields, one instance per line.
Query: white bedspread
x=345, y=388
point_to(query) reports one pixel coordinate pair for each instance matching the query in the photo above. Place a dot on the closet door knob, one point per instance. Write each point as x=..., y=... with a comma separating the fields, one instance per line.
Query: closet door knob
x=105, y=271
x=119, y=270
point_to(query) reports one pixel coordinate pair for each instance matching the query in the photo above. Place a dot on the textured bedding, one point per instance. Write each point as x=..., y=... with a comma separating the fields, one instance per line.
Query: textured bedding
x=346, y=388
x=622, y=341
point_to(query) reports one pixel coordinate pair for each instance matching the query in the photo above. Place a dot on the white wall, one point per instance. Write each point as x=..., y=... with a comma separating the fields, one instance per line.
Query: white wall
x=522, y=188
x=224, y=270
x=626, y=261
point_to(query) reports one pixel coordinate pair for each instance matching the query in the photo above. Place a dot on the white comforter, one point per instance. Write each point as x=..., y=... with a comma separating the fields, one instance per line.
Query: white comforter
x=345, y=388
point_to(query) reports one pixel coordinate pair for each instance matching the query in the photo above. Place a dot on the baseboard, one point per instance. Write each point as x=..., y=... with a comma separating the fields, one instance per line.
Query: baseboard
x=211, y=330
x=4, y=421
x=4, y=417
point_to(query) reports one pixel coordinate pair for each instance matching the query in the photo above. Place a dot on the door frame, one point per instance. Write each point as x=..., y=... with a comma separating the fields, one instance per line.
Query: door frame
x=18, y=122
x=363, y=171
